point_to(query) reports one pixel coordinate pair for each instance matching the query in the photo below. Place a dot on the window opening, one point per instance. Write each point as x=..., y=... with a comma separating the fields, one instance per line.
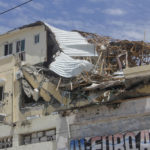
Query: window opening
x=1, y=93
x=20, y=46
x=8, y=49
x=36, y=38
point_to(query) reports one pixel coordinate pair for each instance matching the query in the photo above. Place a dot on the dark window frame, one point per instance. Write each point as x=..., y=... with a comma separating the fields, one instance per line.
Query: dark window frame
x=8, y=49
x=20, y=46
x=1, y=93
x=36, y=38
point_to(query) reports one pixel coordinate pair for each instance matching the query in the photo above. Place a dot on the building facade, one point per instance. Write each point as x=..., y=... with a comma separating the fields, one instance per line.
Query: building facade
x=36, y=114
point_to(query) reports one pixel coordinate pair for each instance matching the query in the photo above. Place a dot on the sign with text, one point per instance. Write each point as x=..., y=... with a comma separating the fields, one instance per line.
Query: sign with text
x=139, y=140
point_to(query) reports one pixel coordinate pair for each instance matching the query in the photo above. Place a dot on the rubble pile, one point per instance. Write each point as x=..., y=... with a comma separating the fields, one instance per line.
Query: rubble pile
x=105, y=83
x=119, y=54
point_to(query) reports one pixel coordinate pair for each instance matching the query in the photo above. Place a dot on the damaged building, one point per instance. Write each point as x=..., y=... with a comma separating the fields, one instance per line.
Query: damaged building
x=73, y=90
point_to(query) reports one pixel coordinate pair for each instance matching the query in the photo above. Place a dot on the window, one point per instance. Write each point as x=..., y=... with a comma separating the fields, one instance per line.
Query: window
x=20, y=46
x=6, y=142
x=1, y=93
x=8, y=49
x=36, y=38
x=38, y=137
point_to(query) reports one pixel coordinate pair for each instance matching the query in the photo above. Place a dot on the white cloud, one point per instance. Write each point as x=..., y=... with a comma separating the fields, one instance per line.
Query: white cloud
x=117, y=23
x=3, y=4
x=130, y=31
x=4, y=29
x=88, y=26
x=37, y=5
x=57, y=2
x=21, y=20
x=14, y=22
x=133, y=35
x=124, y=34
x=58, y=22
x=65, y=23
x=86, y=10
x=96, y=0
x=115, y=12
x=65, y=13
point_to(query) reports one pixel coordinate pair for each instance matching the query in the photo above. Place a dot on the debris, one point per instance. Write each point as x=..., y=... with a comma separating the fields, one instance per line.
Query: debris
x=27, y=88
x=67, y=67
x=36, y=94
x=80, y=75
x=58, y=84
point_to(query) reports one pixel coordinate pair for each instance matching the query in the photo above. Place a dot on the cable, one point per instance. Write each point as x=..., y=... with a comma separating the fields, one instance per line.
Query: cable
x=15, y=7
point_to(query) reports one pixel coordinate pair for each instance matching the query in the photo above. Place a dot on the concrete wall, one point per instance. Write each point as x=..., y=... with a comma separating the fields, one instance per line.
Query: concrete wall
x=7, y=74
x=129, y=116
x=39, y=146
x=35, y=53
x=86, y=122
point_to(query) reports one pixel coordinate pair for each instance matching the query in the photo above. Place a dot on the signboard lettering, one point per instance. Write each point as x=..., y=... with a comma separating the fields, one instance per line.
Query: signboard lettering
x=139, y=140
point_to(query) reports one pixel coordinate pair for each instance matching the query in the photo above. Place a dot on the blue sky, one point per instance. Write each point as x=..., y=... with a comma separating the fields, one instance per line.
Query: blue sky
x=122, y=19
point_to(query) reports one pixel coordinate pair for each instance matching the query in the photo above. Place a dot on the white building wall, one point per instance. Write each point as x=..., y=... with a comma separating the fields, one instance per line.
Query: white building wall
x=35, y=53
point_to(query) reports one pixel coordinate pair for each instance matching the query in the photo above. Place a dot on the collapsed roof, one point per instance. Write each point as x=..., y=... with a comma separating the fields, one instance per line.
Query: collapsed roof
x=87, y=69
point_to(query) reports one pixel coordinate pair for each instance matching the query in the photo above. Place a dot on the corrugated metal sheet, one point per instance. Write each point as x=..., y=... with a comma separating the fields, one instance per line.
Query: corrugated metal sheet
x=72, y=43
x=66, y=66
